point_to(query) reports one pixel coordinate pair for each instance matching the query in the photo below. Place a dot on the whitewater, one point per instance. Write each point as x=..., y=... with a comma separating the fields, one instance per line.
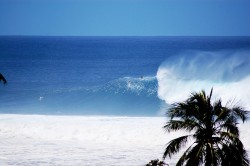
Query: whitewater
x=120, y=76
x=82, y=140
x=102, y=100
x=227, y=72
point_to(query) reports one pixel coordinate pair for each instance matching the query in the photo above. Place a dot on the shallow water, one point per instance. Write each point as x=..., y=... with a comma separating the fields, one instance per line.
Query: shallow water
x=83, y=140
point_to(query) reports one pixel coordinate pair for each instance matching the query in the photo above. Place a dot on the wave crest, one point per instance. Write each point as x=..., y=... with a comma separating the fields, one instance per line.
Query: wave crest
x=226, y=71
x=139, y=86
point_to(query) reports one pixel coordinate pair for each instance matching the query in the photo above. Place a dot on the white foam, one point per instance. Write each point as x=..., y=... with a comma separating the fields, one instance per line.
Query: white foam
x=146, y=85
x=84, y=140
x=79, y=140
x=206, y=70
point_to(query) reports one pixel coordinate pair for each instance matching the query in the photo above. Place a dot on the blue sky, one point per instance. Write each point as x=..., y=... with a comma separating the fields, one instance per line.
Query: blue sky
x=125, y=17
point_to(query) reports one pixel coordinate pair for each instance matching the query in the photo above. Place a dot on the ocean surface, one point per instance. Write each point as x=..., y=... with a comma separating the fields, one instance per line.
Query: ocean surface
x=46, y=140
x=121, y=76
x=94, y=100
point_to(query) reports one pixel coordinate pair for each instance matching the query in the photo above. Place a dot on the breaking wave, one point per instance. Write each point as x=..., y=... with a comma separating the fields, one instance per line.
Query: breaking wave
x=227, y=72
x=124, y=96
x=139, y=86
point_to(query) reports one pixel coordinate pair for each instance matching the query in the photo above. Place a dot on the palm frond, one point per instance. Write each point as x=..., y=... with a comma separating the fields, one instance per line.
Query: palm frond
x=216, y=133
x=175, y=145
x=183, y=158
x=236, y=112
x=234, y=154
x=3, y=79
x=188, y=125
x=222, y=113
x=230, y=128
x=211, y=157
x=195, y=156
x=184, y=110
x=240, y=112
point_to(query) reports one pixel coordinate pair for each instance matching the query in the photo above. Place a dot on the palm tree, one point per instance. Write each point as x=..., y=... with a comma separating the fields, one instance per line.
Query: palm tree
x=156, y=162
x=212, y=127
x=2, y=79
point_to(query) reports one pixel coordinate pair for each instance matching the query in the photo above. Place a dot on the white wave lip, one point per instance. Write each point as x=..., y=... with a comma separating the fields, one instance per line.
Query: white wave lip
x=226, y=72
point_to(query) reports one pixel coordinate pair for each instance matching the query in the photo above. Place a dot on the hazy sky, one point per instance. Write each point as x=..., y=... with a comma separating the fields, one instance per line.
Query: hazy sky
x=125, y=17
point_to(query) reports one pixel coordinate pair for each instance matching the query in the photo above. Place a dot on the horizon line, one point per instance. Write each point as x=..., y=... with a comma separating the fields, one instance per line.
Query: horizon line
x=124, y=36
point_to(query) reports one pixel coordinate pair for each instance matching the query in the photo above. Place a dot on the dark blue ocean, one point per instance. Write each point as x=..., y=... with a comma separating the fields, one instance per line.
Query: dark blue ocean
x=109, y=75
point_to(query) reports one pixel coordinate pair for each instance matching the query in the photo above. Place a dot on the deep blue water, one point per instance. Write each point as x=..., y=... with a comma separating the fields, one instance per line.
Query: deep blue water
x=97, y=75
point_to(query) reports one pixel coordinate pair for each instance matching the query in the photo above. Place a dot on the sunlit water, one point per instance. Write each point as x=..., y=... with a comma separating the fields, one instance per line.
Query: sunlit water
x=82, y=140
x=103, y=88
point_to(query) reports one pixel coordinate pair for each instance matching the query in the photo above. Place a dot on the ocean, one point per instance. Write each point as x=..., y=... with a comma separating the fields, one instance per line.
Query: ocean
x=50, y=140
x=114, y=75
x=101, y=100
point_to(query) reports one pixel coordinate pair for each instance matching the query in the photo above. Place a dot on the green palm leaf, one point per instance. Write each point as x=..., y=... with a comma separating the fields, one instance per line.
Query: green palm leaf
x=175, y=145
x=214, y=128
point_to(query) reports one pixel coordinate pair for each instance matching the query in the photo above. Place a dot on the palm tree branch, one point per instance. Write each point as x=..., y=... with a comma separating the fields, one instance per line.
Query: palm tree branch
x=183, y=157
x=175, y=145
x=184, y=110
x=230, y=128
x=234, y=153
x=240, y=113
x=188, y=124
x=215, y=130
x=228, y=137
x=195, y=156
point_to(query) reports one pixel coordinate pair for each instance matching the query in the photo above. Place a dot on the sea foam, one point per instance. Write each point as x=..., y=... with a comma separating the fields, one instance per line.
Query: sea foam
x=86, y=140
x=80, y=140
x=227, y=72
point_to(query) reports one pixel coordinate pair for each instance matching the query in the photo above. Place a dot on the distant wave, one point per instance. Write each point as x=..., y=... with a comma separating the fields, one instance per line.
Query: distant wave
x=123, y=96
x=138, y=86
x=130, y=85
x=227, y=72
